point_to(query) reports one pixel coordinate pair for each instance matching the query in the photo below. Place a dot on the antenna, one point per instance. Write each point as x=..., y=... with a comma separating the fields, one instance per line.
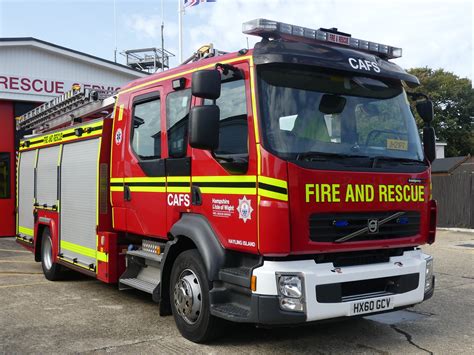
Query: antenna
x=115, y=32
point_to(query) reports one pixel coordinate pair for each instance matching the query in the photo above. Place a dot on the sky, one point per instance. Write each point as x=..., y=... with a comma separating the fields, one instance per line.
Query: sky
x=433, y=33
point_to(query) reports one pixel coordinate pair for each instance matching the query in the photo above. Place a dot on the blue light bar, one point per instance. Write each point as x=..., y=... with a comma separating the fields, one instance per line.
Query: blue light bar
x=273, y=29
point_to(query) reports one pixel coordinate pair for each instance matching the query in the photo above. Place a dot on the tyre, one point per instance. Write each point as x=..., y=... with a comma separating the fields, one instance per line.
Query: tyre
x=51, y=270
x=189, y=295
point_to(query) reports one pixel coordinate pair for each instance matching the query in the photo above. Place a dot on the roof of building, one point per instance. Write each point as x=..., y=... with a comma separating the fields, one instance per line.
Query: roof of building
x=31, y=41
x=447, y=165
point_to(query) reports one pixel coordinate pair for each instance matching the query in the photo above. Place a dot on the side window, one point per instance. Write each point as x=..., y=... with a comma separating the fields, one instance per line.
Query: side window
x=146, y=133
x=4, y=175
x=233, y=132
x=177, y=116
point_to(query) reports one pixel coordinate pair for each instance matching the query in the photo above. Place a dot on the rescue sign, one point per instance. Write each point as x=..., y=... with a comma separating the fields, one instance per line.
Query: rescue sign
x=364, y=193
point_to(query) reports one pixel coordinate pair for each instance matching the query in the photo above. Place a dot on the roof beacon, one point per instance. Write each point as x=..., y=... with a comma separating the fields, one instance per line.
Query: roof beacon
x=273, y=29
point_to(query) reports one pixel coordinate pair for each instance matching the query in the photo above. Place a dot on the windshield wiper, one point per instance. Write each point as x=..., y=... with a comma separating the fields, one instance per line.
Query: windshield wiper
x=405, y=161
x=325, y=155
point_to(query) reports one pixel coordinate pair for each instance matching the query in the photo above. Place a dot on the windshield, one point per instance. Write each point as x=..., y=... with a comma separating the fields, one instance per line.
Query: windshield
x=306, y=113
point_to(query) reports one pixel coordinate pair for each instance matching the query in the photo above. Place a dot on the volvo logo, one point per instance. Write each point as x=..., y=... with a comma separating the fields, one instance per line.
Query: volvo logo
x=373, y=226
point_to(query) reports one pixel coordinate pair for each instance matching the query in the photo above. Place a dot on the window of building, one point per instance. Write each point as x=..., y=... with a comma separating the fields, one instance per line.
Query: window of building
x=4, y=175
x=177, y=116
x=146, y=134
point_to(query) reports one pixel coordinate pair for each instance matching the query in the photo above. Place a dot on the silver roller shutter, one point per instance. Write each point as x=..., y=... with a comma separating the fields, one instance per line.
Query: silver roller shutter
x=47, y=176
x=79, y=201
x=26, y=188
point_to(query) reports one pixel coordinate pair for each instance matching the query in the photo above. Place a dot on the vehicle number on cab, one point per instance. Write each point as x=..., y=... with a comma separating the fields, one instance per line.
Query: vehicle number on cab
x=373, y=305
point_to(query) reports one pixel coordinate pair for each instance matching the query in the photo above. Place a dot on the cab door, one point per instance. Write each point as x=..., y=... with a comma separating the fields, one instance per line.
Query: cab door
x=224, y=182
x=144, y=165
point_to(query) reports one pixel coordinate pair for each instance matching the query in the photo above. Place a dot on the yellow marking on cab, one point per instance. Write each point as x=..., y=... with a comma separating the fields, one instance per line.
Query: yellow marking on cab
x=229, y=190
x=140, y=179
x=120, y=112
x=273, y=181
x=207, y=66
x=179, y=189
x=272, y=194
x=146, y=188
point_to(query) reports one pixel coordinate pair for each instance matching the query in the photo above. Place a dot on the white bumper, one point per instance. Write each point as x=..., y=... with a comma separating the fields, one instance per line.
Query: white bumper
x=320, y=274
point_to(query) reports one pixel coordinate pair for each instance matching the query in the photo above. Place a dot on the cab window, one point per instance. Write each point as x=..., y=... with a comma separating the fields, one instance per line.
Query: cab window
x=177, y=117
x=233, y=132
x=146, y=132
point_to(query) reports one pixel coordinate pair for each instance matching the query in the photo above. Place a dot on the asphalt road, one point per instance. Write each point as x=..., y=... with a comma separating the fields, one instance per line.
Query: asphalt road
x=85, y=315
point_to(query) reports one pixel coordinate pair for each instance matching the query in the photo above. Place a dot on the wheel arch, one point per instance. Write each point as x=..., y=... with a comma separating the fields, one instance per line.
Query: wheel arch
x=192, y=231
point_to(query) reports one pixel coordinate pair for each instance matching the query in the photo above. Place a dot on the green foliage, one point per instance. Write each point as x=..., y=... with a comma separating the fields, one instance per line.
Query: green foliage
x=453, y=100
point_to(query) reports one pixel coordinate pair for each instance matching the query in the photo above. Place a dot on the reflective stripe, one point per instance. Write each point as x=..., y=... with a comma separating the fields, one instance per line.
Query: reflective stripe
x=23, y=239
x=91, y=253
x=178, y=178
x=211, y=65
x=273, y=181
x=101, y=256
x=229, y=190
x=271, y=194
x=120, y=112
x=77, y=264
x=116, y=188
x=26, y=231
x=62, y=136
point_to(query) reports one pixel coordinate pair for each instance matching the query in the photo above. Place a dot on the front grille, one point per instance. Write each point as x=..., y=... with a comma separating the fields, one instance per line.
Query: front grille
x=363, y=289
x=329, y=227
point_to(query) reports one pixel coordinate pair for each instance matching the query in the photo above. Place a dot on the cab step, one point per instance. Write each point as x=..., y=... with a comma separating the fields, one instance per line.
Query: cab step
x=143, y=270
x=141, y=285
x=231, y=311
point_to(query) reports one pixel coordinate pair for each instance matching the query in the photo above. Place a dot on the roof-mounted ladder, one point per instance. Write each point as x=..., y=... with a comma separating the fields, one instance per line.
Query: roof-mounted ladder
x=67, y=108
x=204, y=52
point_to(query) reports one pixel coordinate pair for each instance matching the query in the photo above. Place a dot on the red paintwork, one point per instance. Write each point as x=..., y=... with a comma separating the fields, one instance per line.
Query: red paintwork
x=301, y=210
x=7, y=144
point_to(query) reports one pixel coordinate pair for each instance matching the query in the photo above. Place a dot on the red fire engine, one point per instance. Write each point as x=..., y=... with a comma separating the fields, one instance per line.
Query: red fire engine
x=274, y=186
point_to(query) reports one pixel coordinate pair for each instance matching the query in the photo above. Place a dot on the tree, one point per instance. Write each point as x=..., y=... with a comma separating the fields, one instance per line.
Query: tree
x=453, y=101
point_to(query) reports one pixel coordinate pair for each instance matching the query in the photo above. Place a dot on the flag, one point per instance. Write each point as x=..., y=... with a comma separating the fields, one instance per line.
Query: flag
x=189, y=3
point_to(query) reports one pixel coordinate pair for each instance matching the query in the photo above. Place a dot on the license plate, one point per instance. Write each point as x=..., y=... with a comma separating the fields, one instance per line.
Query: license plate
x=372, y=305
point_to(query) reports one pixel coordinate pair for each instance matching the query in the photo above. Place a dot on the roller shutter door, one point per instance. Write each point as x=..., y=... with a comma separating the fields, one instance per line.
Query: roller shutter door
x=79, y=201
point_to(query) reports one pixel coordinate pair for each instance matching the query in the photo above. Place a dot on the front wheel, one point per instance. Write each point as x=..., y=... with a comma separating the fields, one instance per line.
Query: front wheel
x=189, y=294
x=52, y=271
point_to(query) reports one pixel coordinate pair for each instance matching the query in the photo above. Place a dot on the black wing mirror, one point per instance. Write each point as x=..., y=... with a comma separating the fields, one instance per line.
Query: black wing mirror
x=206, y=84
x=204, y=127
x=425, y=110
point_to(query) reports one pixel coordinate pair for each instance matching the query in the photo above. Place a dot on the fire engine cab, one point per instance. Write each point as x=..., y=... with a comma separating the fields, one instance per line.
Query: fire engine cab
x=279, y=185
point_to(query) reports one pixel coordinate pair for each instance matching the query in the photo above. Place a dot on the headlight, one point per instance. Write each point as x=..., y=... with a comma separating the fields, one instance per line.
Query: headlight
x=291, y=292
x=429, y=274
x=290, y=286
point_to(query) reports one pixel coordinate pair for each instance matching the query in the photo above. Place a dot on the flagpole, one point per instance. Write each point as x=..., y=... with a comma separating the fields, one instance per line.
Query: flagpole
x=162, y=37
x=180, y=25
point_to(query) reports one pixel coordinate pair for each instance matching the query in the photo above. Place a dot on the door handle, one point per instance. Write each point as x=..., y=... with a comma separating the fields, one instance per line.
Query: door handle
x=196, y=196
x=127, y=196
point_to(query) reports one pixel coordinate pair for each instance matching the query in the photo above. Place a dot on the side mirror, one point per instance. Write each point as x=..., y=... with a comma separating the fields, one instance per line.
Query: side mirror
x=206, y=84
x=204, y=127
x=425, y=110
x=429, y=143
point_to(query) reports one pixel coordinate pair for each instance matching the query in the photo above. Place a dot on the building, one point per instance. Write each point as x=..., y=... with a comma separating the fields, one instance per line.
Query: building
x=32, y=72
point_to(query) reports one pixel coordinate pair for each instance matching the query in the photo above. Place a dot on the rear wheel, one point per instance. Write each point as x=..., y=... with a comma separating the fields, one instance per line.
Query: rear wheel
x=189, y=295
x=52, y=271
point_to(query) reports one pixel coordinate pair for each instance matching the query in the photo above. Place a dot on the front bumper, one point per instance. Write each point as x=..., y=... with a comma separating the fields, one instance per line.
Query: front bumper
x=265, y=307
